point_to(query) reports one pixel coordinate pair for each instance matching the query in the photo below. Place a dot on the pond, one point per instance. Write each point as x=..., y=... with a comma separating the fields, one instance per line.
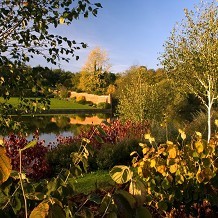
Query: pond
x=52, y=126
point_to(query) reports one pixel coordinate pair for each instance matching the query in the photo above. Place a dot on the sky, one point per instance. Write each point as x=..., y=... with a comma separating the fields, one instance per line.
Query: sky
x=132, y=32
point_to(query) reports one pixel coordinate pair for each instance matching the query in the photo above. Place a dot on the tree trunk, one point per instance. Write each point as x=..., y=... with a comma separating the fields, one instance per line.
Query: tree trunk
x=209, y=122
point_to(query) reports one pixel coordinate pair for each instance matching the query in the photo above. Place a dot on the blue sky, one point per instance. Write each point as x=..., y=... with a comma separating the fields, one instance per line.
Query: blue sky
x=131, y=31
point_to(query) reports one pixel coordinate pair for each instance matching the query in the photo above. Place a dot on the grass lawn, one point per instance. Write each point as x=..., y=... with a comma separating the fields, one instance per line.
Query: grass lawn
x=96, y=180
x=55, y=104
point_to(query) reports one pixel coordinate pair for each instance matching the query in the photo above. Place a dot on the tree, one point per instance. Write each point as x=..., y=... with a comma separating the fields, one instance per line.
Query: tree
x=97, y=61
x=25, y=32
x=95, y=72
x=191, y=55
x=141, y=99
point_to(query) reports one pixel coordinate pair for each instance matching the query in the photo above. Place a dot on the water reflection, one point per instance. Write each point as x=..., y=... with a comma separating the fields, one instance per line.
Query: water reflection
x=50, y=126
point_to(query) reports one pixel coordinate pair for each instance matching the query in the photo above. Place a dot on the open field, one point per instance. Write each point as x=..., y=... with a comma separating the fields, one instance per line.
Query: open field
x=55, y=104
x=92, y=181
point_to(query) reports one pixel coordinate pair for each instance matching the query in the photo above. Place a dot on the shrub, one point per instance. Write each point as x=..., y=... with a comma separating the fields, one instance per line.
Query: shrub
x=59, y=156
x=110, y=155
x=34, y=162
x=81, y=99
x=117, y=136
x=178, y=179
x=103, y=105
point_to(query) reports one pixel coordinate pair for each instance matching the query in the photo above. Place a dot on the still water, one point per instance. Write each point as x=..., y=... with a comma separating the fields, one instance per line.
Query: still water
x=52, y=126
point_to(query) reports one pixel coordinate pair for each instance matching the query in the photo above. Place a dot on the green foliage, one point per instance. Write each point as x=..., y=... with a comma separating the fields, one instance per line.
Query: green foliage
x=24, y=34
x=174, y=175
x=95, y=76
x=140, y=95
x=81, y=99
x=5, y=165
x=93, y=181
x=103, y=105
x=59, y=157
x=110, y=154
x=189, y=55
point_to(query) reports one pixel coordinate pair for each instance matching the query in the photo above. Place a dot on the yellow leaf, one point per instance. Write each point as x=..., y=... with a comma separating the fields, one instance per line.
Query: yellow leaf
x=198, y=134
x=200, y=176
x=182, y=133
x=140, y=171
x=153, y=163
x=199, y=146
x=41, y=210
x=216, y=123
x=172, y=152
x=61, y=20
x=161, y=169
x=147, y=136
x=5, y=165
x=1, y=140
x=173, y=168
x=138, y=190
x=169, y=143
x=145, y=150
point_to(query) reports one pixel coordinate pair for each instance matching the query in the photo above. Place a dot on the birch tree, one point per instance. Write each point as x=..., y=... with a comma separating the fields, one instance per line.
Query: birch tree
x=191, y=55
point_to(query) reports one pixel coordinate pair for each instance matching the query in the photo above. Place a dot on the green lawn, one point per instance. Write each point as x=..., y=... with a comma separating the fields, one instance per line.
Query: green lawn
x=92, y=181
x=55, y=104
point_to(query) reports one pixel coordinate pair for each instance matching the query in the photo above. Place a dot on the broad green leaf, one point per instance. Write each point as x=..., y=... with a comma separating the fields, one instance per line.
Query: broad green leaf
x=49, y=208
x=143, y=212
x=125, y=203
x=5, y=165
x=137, y=189
x=200, y=176
x=165, y=184
x=37, y=196
x=162, y=205
x=131, y=200
x=121, y=174
x=16, y=204
x=107, y=203
x=101, y=131
x=99, y=139
x=29, y=145
x=56, y=211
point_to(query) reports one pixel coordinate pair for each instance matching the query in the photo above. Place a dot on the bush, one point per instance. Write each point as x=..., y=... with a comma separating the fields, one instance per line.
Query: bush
x=118, y=137
x=34, y=162
x=110, y=155
x=81, y=99
x=103, y=105
x=59, y=157
x=176, y=179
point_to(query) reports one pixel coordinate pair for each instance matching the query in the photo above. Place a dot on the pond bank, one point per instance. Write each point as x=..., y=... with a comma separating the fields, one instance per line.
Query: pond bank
x=75, y=111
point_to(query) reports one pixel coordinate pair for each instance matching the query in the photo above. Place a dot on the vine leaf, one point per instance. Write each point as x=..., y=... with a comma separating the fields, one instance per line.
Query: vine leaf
x=137, y=189
x=121, y=174
x=5, y=165
x=48, y=208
